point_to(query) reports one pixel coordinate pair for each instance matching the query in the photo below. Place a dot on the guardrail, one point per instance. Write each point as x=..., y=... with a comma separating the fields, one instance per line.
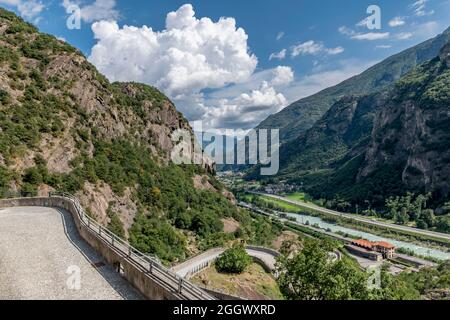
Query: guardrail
x=147, y=264
x=272, y=252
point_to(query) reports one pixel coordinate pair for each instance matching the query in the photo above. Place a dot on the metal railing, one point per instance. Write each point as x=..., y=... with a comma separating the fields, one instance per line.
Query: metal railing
x=147, y=264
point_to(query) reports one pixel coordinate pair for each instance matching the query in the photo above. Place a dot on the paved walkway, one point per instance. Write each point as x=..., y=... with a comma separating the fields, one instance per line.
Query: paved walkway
x=37, y=248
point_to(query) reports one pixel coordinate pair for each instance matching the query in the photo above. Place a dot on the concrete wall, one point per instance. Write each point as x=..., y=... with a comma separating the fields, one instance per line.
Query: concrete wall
x=265, y=250
x=223, y=296
x=147, y=284
x=372, y=255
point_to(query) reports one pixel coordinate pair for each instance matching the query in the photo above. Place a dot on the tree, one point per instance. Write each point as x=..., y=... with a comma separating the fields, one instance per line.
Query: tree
x=428, y=217
x=446, y=207
x=310, y=275
x=402, y=217
x=443, y=224
x=394, y=288
x=116, y=226
x=421, y=224
x=233, y=260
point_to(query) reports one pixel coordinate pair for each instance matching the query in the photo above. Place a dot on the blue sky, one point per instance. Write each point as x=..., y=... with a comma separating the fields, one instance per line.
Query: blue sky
x=234, y=72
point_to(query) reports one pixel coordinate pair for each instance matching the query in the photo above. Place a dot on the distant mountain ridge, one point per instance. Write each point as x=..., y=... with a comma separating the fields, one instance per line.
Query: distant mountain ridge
x=367, y=148
x=303, y=114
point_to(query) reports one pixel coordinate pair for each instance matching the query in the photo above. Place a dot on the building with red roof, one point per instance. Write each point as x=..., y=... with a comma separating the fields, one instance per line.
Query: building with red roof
x=385, y=248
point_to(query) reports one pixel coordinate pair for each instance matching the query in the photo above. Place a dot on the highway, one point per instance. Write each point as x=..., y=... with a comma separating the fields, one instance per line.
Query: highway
x=358, y=218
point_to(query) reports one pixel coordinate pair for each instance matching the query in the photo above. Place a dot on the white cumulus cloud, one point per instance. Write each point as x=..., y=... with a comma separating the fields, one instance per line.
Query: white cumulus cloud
x=96, y=11
x=334, y=51
x=282, y=75
x=420, y=8
x=313, y=48
x=280, y=35
x=396, y=22
x=371, y=36
x=188, y=56
x=308, y=47
x=383, y=46
x=278, y=55
x=28, y=9
x=247, y=110
x=404, y=36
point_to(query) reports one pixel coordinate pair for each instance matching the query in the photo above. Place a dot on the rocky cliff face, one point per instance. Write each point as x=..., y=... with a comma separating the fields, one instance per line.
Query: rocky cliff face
x=412, y=132
x=57, y=112
x=375, y=146
x=301, y=115
x=341, y=133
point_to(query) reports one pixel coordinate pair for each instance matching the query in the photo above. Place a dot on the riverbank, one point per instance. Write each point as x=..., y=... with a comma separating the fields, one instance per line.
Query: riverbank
x=429, y=242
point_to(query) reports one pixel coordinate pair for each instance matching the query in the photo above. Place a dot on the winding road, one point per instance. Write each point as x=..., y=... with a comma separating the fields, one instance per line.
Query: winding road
x=358, y=218
x=198, y=262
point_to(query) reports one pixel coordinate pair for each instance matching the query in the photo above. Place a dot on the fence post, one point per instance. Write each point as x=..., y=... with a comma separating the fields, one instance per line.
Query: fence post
x=180, y=285
x=150, y=267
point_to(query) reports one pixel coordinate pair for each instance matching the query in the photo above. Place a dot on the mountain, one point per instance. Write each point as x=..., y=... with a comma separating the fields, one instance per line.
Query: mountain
x=65, y=127
x=367, y=148
x=303, y=114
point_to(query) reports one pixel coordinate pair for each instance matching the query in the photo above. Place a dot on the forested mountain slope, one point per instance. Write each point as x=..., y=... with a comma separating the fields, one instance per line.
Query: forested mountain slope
x=367, y=148
x=63, y=126
x=303, y=114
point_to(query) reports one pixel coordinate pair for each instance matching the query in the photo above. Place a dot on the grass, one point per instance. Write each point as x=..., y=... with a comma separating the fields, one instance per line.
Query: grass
x=253, y=283
x=298, y=196
x=282, y=204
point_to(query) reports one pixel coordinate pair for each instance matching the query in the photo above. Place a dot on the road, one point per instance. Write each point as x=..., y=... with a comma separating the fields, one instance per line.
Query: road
x=200, y=261
x=357, y=218
x=39, y=246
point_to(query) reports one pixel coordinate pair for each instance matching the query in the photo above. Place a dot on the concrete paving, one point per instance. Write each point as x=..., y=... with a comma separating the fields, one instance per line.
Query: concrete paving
x=41, y=253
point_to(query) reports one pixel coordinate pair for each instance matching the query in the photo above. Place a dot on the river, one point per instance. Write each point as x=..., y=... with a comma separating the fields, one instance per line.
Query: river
x=420, y=250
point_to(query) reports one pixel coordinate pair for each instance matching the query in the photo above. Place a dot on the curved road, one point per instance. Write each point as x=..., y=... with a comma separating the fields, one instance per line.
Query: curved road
x=357, y=218
x=205, y=258
x=38, y=246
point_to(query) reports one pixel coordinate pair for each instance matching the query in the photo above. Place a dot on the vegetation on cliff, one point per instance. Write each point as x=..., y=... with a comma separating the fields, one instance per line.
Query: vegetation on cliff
x=64, y=126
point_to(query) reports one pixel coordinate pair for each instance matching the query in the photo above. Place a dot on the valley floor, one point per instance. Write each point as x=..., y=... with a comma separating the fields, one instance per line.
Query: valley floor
x=360, y=219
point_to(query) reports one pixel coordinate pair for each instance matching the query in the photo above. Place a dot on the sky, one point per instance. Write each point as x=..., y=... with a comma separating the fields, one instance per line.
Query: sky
x=232, y=63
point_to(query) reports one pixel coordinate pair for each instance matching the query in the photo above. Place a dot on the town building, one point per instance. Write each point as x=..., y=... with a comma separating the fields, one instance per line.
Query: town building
x=364, y=253
x=385, y=248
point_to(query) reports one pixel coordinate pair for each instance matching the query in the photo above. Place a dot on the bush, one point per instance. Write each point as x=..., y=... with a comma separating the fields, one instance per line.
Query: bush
x=5, y=98
x=116, y=226
x=156, y=236
x=234, y=260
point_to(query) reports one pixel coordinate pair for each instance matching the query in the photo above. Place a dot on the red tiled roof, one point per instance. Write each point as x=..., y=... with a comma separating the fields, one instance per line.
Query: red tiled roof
x=363, y=243
x=385, y=245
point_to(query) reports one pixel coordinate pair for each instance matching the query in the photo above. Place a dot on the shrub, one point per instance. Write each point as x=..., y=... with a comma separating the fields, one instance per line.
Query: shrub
x=5, y=98
x=116, y=226
x=234, y=260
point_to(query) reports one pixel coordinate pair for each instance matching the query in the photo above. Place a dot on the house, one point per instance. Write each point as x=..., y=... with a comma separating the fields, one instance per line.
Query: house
x=385, y=248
